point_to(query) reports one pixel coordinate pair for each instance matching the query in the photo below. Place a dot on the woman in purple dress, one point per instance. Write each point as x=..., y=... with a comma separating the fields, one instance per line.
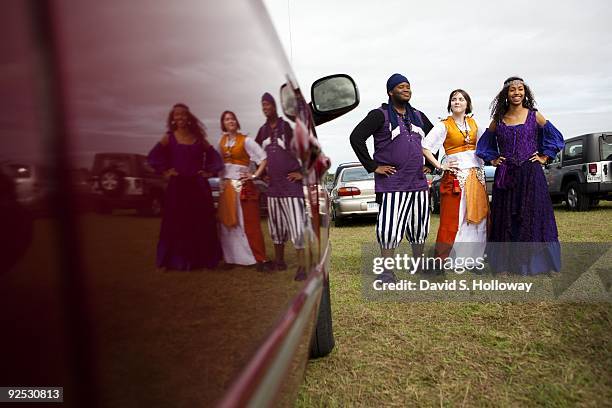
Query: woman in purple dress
x=518, y=142
x=188, y=237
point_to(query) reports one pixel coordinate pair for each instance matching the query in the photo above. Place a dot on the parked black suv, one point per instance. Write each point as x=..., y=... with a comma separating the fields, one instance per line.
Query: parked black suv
x=126, y=181
x=580, y=174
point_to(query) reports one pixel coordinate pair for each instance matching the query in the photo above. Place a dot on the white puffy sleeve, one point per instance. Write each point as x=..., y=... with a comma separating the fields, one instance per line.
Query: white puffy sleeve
x=435, y=138
x=254, y=150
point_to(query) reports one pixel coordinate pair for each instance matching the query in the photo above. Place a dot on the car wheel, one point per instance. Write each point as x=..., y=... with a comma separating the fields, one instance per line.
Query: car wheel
x=594, y=202
x=322, y=342
x=574, y=199
x=111, y=182
x=338, y=222
x=434, y=204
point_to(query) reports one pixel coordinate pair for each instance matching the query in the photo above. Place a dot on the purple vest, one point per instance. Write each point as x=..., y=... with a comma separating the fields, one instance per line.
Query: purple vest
x=280, y=161
x=405, y=153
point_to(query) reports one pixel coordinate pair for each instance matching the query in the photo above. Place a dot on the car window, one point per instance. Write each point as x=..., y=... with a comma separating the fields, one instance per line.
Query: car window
x=118, y=163
x=605, y=147
x=145, y=166
x=357, y=174
x=573, y=150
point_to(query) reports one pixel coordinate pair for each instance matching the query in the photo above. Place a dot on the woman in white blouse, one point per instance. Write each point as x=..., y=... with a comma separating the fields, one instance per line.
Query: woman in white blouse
x=240, y=228
x=464, y=201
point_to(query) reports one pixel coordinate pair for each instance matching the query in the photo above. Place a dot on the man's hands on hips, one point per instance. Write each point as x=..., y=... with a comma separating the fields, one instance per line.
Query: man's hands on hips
x=385, y=170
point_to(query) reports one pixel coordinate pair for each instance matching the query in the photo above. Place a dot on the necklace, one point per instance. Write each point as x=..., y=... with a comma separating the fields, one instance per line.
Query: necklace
x=465, y=133
x=229, y=143
x=406, y=119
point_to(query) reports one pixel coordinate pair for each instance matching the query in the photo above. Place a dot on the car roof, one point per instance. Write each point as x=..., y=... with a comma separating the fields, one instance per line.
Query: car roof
x=596, y=134
x=350, y=164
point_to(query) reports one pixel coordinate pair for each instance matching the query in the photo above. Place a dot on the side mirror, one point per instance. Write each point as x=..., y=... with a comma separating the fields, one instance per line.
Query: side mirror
x=288, y=101
x=333, y=96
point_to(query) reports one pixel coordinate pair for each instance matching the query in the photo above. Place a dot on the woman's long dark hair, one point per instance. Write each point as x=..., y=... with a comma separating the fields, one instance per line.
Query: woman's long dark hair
x=500, y=105
x=195, y=126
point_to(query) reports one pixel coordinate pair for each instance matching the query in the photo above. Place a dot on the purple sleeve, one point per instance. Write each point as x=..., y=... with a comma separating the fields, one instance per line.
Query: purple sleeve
x=486, y=148
x=213, y=162
x=288, y=136
x=550, y=140
x=260, y=135
x=158, y=158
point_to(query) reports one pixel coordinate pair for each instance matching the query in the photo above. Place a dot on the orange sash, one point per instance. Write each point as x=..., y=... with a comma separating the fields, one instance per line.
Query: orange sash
x=477, y=200
x=227, y=205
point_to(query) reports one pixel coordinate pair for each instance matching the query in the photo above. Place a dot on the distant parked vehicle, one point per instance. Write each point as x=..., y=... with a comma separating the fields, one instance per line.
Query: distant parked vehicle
x=581, y=173
x=352, y=193
x=32, y=185
x=126, y=181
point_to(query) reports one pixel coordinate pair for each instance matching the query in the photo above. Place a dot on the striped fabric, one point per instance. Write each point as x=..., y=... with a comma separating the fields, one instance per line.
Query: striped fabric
x=286, y=220
x=403, y=212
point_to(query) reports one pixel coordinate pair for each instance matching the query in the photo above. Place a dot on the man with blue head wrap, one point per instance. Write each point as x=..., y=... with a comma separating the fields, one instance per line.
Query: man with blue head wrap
x=401, y=188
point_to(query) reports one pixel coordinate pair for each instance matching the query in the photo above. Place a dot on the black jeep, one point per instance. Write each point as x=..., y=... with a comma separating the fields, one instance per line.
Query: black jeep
x=580, y=174
x=126, y=181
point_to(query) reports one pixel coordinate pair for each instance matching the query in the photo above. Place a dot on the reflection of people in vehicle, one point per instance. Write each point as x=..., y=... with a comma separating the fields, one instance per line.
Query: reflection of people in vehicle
x=188, y=238
x=285, y=189
x=463, y=196
x=240, y=228
x=401, y=187
x=518, y=141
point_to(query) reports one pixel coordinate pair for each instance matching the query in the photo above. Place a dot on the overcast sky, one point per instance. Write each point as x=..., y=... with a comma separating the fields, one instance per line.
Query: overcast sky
x=563, y=50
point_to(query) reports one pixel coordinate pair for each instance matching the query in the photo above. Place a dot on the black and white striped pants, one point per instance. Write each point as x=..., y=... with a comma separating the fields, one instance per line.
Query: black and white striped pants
x=286, y=220
x=403, y=212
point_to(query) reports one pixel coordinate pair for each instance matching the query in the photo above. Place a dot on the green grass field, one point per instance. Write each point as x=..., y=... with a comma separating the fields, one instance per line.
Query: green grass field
x=462, y=354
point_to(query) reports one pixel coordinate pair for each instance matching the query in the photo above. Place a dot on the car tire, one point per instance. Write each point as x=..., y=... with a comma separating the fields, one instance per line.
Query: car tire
x=574, y=199
x=111, y=182
x=434, y=204
x=322, y=342
x=338, y=222
x=594, y=202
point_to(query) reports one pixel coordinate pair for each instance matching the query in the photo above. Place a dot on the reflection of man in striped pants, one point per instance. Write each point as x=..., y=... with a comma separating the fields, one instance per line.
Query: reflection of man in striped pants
x=401, y=187
x=285, y=190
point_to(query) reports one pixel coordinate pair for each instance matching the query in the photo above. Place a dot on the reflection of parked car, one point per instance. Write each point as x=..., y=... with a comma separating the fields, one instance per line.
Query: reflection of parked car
x=353, y=193
x=32, y=184
x=126, y=181
x=261, y=185
x=434, y=190
x=581, y=174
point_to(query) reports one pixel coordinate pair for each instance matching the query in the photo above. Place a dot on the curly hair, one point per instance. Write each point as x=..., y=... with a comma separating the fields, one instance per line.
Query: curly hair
x=195, y=126
x=499, y=105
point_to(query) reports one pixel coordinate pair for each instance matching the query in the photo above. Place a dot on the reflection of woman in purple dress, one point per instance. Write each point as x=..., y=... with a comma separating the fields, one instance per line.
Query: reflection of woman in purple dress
x=188, y=236
x=518, y=141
